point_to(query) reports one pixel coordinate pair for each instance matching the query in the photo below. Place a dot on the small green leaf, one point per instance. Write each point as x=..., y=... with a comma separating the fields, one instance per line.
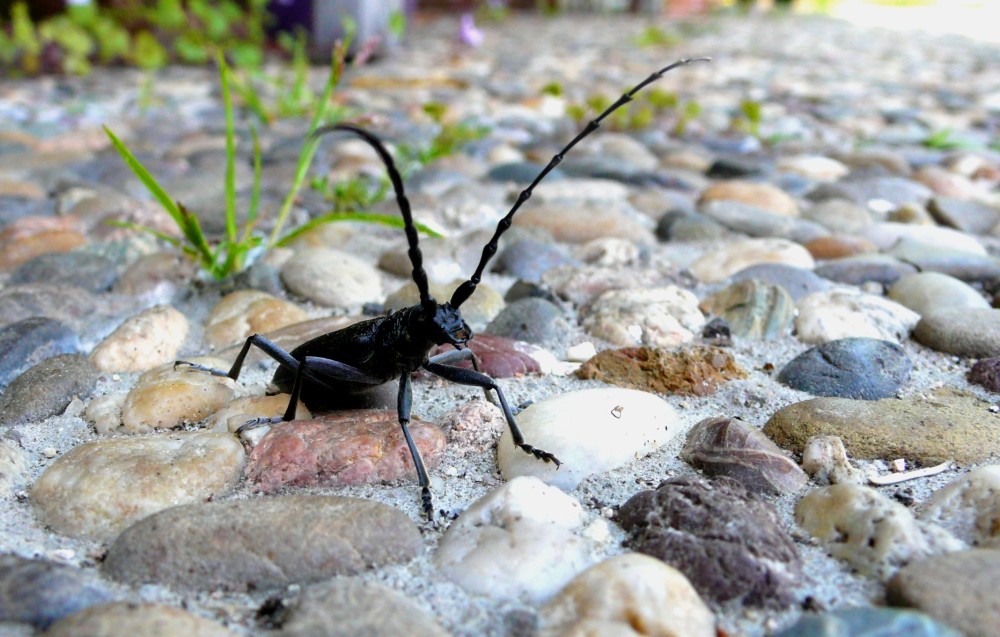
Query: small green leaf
x=147, y=180
x=230, y=184
x=147, y=52
x=385, y=220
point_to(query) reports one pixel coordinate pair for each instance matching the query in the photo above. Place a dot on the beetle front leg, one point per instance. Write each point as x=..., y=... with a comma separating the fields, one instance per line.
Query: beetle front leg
x=457, y=356
x=477, y=379
x=266, y=346
x=403, y=405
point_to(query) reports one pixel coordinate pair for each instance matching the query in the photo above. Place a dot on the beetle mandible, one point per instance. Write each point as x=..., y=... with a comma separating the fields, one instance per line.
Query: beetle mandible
x=379, y=350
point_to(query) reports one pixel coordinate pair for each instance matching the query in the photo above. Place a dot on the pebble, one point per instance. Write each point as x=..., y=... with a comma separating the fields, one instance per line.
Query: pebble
x=856, y=270
x=152, y=337
x=986, y=372
x=838, y=247
x=528, y=259
x=947, y=424
x=245, y=312
x=747, y=219
x=874, y=192
x=695, y=371
x=616, y=596
x=261, y=543
x=875, y=534
x=958, y=589
x=522, y=172
x=518, y=542
x=346, y=607
x=926, y=292
x=332, y=278
x=947, y=183
x=91, y=272
x=891, y=160
x=763, y=196
x=481, y=308
x=659, y=317
x=727, y=541
x=969, y=507
x=846, y=313
x=578, y=191
x=13, y=463
x=825, y=459
x=590, y=431
x=580, y=224
x=967, y=216
x=865, y=368
x=39, y=592
x=864, y=621
x=502, y=357
x=608, y=251
x=97, y=489
x=473, y=427
x=886, y=235
x=971, y=332
x=729, y=447
x=288, y=338
x=350, y=447
x=581, y=285
x=532, y=320
x=720, y=264
x=162, y=274
x=798, y=282
x=165, y=397
x=136, y=618
x=22, y=249
x=839, y=215
x=30, y=341
x=690, y=228
x=967, y=266
x=753, y=309
x=581, y=352
x=47, y=389
x=912, y=213
x=242, y=410
x=815, y=167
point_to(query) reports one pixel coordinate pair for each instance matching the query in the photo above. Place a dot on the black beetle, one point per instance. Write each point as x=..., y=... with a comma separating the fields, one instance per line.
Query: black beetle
x=377, y=351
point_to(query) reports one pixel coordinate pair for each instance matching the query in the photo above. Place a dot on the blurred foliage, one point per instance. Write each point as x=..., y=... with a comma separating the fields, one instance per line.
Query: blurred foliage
x=654, y=107
x=655, y=36
x=144, y=34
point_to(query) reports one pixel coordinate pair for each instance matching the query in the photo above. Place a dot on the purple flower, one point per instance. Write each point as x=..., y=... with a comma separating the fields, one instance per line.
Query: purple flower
x=468, y=32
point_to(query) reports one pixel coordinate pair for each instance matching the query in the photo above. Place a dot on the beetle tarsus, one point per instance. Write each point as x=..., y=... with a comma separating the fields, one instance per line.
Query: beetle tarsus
x=201, y=368
x=545, y=456
x=257, y=422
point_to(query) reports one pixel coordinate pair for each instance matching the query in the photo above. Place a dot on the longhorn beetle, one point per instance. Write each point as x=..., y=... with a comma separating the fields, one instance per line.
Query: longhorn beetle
x=379, y=350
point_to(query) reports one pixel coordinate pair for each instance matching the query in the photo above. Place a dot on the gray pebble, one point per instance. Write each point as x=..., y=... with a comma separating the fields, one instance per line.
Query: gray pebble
x=47, y=389
x=30, y=341
x=39, y=593
x=865, y=368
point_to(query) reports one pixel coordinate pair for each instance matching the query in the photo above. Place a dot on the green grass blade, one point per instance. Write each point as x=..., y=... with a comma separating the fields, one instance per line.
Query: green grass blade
x=385, y=220
x=197, y=238
x=255, y=192
x=141, y=228
x=227, y=101
x=147, y=180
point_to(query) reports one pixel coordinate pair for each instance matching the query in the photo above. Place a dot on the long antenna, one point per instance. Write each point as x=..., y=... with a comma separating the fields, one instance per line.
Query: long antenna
x=416, y=257
x=465, y=290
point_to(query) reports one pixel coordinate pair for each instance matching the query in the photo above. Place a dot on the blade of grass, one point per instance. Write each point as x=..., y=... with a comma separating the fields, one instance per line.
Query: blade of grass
x=255, y=192
x=197, y=238
x=385, y=220
x=148, y=180
x=311, y=144
x=230, y=151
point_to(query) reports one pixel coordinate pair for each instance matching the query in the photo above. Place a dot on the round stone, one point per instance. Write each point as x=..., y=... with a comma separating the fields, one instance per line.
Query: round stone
x=763, y=196
x=245, y=312
x=168, y=396
x=845, y=313
x=862, y=367
x=130, y=618
x=753, y=309
x=39, y=592
x=971, y=332
x=660, y=317
x=91, y=272
x=926, y=292
x=30, y=341
x=47, y=389
x=532, y=320
x=721, y=264
x=332, y=278
x=152, y=337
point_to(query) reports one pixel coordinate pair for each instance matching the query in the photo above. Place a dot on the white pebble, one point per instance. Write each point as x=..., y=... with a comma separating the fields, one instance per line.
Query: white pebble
x=581, y=353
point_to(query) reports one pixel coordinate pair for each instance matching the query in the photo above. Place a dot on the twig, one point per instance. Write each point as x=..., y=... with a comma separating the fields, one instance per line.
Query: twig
x=895, y=478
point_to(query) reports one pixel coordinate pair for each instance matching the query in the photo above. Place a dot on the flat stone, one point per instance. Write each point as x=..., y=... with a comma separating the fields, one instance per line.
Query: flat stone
x=240, y=411
x=481, y=308
x=580, y=224
x=968, y=216
x=99, y=488
x=846, y=313
x=859, y=269
x=875, y=534
x=948, y=184
x=839, y=215
x=815, y=167
x=753, y=309
x=47, y=389
x=521, y=172
x=730, y=447
x=350, y=608
x=528, y=259
x=91, y=272
x=958, y=589
x=969, y=507
x=659, y=317
x=622, y=592
x=948, y=425
x=798, y=282
x=65, y=303
x=695, y=371
x=867, y=622
x=579, y=190
x=30, y=341
x=897, y=191
x=609, y=251
x=245, y=312
x=720, y=264
x=966, y=266
x=838, y=247
x=533, y=320
x=590, y=431
x=261, y=543
x=18, y=251
x=350, y=447
x=582, y=284
x=763, y=196
x=971, y=332
x=886, y=235
x=912, y=213
x=748, y=219
x=727, y=541
x=518, y=542
x=160, y=273
x=136, y=618
x=690, y=228
x=332, y=278
x=865, y=368
x=152, y=337
x=501, y=357
x=165, y=396
x=926, y=292
x=39, y=592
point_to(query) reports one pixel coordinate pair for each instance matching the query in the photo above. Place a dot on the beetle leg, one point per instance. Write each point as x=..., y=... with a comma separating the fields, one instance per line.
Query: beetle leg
x=266, y=346
x=403, y=405
x=478, y=379
x=457, y=356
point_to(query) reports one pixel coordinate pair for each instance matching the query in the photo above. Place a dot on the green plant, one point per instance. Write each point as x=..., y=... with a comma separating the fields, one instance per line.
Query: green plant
x=688, y=113
x=944, y=140
x=449, y=139
x=750, y=117
x=554, y=89
x=655, y=36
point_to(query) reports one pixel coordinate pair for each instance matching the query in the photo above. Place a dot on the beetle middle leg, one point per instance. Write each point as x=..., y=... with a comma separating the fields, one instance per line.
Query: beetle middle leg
x=457, y=356
x=403, y=405
x=478, y=379
x=266, y=346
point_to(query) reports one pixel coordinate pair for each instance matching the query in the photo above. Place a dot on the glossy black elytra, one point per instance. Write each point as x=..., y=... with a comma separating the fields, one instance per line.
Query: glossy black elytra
x=377, y=351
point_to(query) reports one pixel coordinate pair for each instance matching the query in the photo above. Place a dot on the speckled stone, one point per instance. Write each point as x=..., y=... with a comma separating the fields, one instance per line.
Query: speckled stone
x=962, y=331
x=753, y=309
x=862, y=367
x=46, y=389
x=39, y=592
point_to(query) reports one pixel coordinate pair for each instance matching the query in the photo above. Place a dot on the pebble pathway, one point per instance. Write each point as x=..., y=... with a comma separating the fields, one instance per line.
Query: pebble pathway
x=815, y=288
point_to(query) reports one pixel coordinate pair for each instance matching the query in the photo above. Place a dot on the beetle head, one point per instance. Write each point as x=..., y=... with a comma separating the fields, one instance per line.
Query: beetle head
x=447, y=324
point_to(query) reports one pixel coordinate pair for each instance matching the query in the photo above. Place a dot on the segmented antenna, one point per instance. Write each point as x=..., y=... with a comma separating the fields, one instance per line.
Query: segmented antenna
x=465, y=290
x=416, y=257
